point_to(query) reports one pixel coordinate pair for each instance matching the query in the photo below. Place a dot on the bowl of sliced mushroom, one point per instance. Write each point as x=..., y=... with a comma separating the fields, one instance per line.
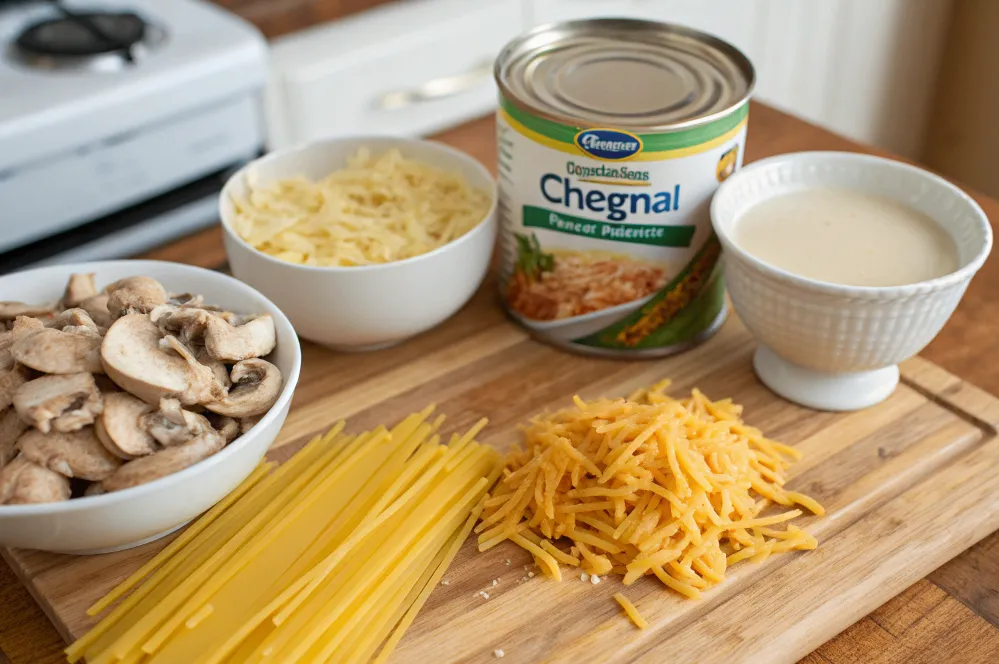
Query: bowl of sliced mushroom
x=134, y=395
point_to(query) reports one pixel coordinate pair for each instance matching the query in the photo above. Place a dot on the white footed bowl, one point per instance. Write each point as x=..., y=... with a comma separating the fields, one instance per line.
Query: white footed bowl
x=127, y=518
x=373, y=306
x=834, y=347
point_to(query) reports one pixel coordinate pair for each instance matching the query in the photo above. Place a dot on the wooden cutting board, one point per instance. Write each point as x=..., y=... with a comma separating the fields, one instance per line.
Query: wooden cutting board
x=907, y=484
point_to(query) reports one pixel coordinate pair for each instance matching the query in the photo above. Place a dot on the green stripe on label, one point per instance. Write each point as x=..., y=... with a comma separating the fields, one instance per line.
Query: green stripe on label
x=683, y=309
x=662, y=142
x=660, y=236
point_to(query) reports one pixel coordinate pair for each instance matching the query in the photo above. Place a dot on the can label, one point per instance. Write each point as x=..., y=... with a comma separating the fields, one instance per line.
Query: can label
x=606, y=239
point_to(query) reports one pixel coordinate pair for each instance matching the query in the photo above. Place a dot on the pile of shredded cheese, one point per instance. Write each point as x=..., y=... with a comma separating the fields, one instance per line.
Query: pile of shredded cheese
x=378, y=209
x=326, y=559
x=646, y=485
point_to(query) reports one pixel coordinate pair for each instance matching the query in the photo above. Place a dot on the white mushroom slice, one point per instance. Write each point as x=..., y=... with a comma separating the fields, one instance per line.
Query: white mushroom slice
x=229, y=343
x=97, y=308
x=119, y=430
x=134, y=295
x=247, y=423
x=171, y=425
x=95, y=489
x=256, y=386
x=53, y=351
x=134, y=360
x=204, y=375
x=227, y=427
x=11, y=428
x=220, y=372
x=188, y=323
x=77, y=454
x=11, y=310
x=79, y=288
x=165, y=462
x=186, y=300
x=23, y=482
x=24, y=325
x=10, y=380
x=6, y=358
x=76, y=319
x=63, y=403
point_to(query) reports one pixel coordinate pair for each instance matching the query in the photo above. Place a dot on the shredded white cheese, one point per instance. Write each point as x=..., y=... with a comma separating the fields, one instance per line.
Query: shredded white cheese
x=377, y=209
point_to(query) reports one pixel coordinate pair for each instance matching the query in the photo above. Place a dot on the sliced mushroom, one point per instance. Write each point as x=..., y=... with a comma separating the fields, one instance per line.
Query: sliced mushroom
x=165, y=462
x=77, y=454
x=6, y=358
x=11, y=310
x=23, y=482
x=187, y=323
x=171, y=425
x=53, y=351
x=230, y=343
x=24, y=325
x=11, y=428
x=97, y=308
x=79, y=288
x=227, y=427
x=10, y=380
x=63, y=403
x=186, y=299
x=78, y=321
x=256, y=386
x=133, y=358
x=119, y=430
x=247, y=423
x=95, y=489
x=134, y=295
x=219, y=371
x=204, y=375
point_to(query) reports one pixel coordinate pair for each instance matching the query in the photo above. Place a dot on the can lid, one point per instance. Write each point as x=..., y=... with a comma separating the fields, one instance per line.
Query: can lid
x=624, y=73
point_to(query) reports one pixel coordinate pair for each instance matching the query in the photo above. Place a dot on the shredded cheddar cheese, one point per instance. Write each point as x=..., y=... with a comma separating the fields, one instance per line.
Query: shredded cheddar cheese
x=647, y=485
x=326, y=558
x=631, y=611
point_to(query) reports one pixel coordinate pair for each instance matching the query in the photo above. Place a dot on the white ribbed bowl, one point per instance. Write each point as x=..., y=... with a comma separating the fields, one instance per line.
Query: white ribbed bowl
x=836, y=347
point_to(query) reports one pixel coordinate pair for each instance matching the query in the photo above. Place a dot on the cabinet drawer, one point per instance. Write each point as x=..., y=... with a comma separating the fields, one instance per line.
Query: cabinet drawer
x=408, y=68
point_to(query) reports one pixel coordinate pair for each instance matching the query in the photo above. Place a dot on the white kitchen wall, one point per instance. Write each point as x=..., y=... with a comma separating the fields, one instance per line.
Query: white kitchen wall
x=864, y=68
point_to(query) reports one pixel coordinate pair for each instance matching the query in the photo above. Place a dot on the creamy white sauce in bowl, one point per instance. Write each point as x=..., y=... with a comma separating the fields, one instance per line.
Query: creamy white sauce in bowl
x=842, y=265
x=848, y=237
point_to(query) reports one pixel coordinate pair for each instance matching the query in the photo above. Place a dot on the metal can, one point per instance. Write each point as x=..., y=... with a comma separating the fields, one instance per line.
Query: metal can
x=613, y=135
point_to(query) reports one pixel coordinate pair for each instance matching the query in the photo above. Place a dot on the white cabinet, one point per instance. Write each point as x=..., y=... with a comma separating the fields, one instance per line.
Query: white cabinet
x=860, y=67
x=408, y=68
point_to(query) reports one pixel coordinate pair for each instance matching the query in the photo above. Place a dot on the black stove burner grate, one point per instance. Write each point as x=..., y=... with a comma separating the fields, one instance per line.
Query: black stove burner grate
x=84, y=34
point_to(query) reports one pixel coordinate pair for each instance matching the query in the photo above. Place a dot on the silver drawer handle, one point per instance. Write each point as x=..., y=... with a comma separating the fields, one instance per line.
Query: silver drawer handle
x=437, y=88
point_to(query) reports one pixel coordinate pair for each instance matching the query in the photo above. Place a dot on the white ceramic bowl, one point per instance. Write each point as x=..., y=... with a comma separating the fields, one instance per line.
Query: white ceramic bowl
x=364, y=307
x=141, y=514
x=836, y=347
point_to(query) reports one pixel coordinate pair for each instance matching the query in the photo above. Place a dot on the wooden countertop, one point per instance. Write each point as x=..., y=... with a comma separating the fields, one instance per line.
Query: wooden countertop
x=950, y=616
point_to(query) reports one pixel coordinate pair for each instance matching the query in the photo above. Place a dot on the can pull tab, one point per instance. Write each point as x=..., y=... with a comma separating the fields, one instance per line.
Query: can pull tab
x=438, y=88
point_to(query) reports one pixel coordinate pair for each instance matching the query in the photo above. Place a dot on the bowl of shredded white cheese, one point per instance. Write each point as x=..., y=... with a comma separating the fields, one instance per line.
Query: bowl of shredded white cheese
x=365, y=241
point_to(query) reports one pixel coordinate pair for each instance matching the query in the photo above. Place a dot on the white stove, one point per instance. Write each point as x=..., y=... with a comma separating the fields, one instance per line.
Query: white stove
x=118, y=121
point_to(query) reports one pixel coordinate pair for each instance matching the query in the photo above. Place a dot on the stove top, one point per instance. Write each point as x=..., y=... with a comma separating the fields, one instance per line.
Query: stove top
x=78, y=71
x=104, y=40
